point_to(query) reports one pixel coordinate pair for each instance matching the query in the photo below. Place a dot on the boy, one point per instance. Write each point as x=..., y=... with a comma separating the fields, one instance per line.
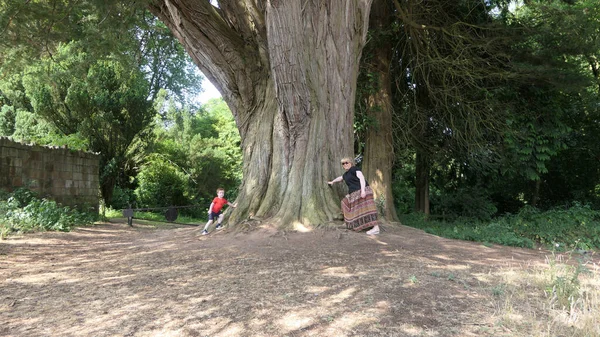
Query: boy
x=215, y=210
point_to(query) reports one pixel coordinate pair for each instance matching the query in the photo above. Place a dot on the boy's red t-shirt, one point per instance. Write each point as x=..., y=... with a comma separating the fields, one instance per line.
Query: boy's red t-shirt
x=218, y=203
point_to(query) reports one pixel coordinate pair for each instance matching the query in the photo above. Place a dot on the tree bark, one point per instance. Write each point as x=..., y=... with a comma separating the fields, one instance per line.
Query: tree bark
x=287, y=70
x=379, y=149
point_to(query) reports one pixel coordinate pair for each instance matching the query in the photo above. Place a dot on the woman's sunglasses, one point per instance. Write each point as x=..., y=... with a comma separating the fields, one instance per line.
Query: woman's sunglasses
x=344, y=163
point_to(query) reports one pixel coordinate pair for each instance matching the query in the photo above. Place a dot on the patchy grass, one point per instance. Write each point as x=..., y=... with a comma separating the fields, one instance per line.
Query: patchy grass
x=561, y=298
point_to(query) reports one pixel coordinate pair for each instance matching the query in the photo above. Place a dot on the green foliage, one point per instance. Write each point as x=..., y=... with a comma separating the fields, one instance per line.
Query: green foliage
x=403, y=187
x=7, y=120
x=31, y=128
x=204, y=146
x=499, y=290
x=101, y=101
x=563, y=228
x=84, y=75
x=160, y=184
x=533, y=140
x=166, y=64
x=122, y=198
x=32, y=29
x=470, y=202
x=23, y=211
x=546, y=108
x=192, y=153
x=576, y=227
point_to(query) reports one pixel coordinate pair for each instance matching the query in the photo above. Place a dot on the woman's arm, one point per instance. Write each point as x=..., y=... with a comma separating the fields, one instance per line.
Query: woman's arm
x=338, y=179
x=361, y=177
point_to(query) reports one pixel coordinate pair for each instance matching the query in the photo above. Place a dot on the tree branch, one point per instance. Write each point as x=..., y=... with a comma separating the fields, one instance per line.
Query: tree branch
x=222, y=41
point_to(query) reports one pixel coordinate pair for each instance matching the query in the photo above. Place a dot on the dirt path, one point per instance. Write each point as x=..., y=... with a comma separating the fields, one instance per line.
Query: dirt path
x=111, y=280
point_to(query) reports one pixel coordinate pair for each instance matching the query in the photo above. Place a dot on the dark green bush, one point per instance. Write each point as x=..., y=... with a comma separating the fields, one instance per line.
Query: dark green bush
x=470, y=202
x=122, y=198
x=22, y=211
x=576, y=227
x=161, y=184
x=564, y=228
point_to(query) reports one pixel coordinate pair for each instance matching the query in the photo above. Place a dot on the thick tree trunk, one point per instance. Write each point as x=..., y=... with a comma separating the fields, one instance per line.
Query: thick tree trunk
x=422, y=183
x=287, y=70
x=379, y=149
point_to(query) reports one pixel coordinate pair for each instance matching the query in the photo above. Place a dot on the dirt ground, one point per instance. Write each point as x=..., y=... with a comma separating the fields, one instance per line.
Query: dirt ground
x=113, y=280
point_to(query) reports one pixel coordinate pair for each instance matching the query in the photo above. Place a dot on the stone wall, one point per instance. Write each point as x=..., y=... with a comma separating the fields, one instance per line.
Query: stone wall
x=66, y=176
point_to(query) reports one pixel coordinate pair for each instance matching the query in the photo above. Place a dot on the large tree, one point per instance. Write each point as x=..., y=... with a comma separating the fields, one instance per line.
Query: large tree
x=375, y=101
x=287, y=70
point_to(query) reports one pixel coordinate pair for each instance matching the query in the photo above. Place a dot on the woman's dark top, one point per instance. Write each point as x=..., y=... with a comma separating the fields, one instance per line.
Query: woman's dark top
x=352, y=180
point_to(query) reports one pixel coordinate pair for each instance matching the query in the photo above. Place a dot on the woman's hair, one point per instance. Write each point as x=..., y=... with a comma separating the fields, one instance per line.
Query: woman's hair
x=347, y=159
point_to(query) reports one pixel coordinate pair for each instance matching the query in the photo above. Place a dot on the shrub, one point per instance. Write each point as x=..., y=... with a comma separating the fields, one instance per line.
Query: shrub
x=468, y=202
x=22, y=211
x=161, y=184
x=122, y=198
x=575, y=227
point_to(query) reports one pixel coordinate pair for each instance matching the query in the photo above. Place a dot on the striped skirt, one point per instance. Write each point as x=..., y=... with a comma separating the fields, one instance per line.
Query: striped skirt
x=359, y=213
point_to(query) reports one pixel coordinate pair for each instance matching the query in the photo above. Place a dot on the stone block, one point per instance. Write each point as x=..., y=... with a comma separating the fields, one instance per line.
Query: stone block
x=4, y=180
x=35, y=154
x=55, y=175
x=66, y=175
x=33, y=183
x=47, y=183
x=36, y=174
x=16, y=171
x=49, y=166
x=57, y=191
x=16, y=181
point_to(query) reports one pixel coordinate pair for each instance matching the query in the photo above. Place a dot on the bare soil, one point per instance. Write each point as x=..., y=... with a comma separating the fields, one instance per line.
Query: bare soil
x=113, y=280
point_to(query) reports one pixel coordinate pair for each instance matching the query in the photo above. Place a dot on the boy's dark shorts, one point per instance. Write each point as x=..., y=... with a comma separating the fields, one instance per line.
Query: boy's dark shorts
x=214, y=216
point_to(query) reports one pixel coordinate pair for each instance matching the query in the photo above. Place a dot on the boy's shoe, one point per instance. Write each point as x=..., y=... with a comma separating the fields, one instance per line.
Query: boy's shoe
x=204, y=232
x=219, y=226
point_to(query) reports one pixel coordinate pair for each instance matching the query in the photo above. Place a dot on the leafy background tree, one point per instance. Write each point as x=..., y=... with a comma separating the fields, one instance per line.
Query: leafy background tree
x=86, y=93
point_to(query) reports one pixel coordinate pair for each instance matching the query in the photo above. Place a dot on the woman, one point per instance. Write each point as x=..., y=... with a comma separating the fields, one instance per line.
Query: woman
x=359, y=207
